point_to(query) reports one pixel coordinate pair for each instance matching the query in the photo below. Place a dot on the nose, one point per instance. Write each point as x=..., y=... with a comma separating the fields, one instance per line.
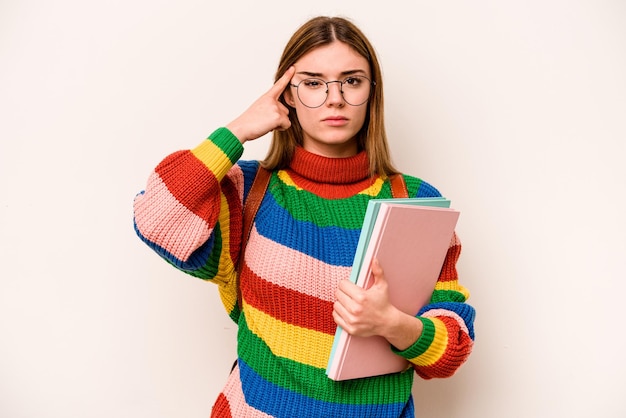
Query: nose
x=335, y=94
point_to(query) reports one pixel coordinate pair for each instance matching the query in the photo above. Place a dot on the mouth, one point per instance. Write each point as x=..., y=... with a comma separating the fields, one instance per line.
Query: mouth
x=335, y=120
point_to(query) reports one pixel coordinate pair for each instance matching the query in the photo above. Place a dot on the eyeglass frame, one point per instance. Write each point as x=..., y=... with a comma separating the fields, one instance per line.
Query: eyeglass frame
x=372, y=85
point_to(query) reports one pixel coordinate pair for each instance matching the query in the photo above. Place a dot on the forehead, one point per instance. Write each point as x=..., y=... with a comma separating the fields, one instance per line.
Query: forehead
x=332, y=59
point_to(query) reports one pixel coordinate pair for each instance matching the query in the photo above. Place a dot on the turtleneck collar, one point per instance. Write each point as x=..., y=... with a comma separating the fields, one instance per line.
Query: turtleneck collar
x=320, y=169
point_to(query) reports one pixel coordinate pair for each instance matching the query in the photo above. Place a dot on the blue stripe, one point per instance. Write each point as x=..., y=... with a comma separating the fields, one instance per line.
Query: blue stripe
x=330, y=244
x=280, y=402
x=465, y=311
x=427, y=190
x=249, y=169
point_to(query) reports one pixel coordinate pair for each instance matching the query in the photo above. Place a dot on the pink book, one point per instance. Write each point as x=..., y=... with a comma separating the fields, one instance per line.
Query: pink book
x=410, y=243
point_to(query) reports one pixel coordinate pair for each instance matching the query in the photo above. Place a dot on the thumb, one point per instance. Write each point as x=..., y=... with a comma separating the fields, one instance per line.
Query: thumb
x=378, y=273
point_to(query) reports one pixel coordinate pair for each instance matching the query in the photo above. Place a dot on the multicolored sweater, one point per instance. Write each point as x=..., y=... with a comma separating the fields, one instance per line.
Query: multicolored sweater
x=301, y=245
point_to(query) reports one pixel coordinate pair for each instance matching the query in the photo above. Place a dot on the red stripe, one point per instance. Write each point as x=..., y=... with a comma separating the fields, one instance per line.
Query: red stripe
x=455, y=355
x=448, y=270
x=287, y=305
x=331, y=191
x=221, y=409
x=177, y=171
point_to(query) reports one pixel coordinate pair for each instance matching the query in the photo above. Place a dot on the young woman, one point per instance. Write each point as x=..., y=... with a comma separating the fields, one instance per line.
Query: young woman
x=328, y=157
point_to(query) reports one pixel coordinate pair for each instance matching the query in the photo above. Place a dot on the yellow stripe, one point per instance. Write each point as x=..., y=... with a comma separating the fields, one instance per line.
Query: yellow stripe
x=225, y=276
x=296, y=343
x=226, y=263
x=285, y=178
x=228, y=296
x=374, y=189
x=453, y=285
x=213, y=158
x=437, y=347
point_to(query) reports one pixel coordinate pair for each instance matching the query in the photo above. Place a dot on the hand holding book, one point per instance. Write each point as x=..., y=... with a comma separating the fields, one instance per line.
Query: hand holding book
x=367, y=312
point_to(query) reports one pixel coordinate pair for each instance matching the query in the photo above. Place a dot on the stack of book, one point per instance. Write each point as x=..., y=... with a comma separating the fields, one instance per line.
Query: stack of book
x=410, y=238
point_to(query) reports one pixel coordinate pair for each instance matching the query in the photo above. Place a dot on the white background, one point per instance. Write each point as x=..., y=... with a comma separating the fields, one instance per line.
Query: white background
x=514, y=110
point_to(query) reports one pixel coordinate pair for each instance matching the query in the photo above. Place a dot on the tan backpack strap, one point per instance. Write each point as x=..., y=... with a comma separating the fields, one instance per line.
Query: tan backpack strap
x=398, y=186
x=250, y=208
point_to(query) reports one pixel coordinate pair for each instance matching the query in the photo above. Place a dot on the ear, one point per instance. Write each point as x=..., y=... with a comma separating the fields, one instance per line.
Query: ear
x=288, y=96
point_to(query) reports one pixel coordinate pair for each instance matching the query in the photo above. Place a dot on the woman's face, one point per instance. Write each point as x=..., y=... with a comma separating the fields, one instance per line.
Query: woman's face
x=330, y=129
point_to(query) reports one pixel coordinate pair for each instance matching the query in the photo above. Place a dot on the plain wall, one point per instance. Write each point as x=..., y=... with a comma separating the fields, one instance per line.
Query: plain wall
x=514, y=110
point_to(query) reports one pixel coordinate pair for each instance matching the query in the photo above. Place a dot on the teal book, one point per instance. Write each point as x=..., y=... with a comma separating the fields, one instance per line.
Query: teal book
x=410, y=238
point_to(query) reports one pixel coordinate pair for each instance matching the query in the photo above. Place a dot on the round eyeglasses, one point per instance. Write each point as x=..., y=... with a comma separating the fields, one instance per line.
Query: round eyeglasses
x=355, y=90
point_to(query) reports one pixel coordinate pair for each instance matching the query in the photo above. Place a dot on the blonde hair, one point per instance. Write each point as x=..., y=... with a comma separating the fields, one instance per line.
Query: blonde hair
x=372, y=137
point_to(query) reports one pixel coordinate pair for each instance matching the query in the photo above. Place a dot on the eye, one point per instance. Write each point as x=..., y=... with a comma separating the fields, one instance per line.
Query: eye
x=313, y=83
x=355, y=81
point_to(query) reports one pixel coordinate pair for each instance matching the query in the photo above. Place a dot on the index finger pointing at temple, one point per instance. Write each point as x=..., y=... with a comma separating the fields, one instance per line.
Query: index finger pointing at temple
x=280, y=85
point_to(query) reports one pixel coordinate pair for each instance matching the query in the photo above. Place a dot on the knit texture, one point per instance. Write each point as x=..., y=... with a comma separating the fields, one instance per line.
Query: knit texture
x=301, y=245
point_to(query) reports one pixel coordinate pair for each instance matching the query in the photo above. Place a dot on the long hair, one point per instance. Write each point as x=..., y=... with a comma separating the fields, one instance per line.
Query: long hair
x=372, y=137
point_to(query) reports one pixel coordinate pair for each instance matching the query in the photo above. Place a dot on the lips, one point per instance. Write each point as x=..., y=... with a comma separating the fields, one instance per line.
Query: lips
x=335, y=120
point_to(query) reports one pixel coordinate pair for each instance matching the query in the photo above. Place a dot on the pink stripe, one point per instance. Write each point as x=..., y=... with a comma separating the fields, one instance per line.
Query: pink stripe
x=166, y=222
x=236, y=176
x=283, y=266
x=434, y=313
x=238, y=406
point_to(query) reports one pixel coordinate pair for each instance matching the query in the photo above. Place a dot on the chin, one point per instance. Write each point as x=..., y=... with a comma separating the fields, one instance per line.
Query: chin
x=338, y=139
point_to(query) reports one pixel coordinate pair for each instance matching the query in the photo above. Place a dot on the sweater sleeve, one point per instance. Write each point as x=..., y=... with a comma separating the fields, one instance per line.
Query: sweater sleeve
x=190, y=210
x=448, y=334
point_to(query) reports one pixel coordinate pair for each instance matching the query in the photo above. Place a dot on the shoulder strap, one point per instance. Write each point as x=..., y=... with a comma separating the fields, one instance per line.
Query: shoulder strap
x=250, y=208
x=398, y=186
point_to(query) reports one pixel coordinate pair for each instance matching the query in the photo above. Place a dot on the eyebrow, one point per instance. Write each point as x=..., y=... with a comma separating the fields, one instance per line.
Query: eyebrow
x=343, y=73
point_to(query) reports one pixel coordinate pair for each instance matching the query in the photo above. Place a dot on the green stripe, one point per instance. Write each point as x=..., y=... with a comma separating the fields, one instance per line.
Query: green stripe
x=423, y=342
x=351, y=209
x=412, y=185
x=447, y=296
x=280, y=371
x=235, y=314
x=228, y=143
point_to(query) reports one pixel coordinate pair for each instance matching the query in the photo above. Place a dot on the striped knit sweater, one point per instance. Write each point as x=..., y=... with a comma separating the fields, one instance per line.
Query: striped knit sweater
x=301, y=245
